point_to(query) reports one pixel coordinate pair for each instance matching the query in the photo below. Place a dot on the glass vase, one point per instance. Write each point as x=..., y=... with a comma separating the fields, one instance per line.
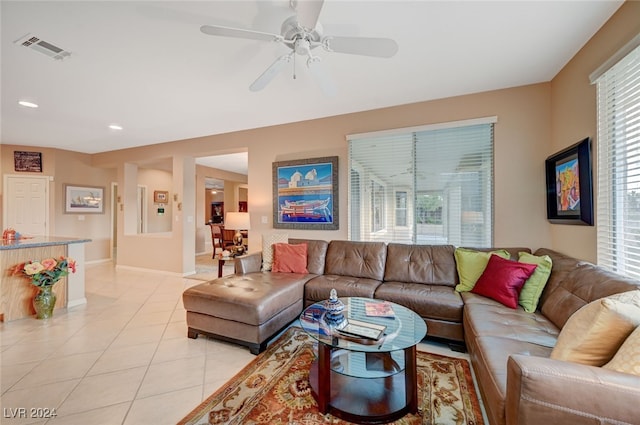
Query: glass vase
x=44, y=302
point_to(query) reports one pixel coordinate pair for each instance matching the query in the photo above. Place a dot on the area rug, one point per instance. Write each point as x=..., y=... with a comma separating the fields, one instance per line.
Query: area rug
x=274, y=389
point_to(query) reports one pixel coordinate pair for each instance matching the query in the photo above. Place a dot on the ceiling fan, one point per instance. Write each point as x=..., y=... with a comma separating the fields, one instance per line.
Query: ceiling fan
x=302, y=33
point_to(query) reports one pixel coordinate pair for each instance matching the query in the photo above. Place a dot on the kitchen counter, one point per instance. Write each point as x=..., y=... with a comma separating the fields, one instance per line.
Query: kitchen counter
x=38, y=241
x=16, y=292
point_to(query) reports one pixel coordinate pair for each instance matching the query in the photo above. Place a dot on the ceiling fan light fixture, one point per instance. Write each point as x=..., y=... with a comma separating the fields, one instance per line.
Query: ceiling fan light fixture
x=303, y=47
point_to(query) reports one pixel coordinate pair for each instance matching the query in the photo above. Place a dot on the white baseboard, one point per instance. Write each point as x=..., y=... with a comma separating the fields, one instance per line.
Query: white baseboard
x=75, y=303
x=142, y=269
x=101, y=261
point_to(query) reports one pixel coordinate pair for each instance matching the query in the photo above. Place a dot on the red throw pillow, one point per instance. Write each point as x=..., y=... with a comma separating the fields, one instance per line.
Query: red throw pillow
x=290, y=258
x=502, y=280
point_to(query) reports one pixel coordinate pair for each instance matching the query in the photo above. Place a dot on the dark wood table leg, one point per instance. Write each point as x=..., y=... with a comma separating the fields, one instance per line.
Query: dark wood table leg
x=220, y=265
x=411, y=378
x=324, y=377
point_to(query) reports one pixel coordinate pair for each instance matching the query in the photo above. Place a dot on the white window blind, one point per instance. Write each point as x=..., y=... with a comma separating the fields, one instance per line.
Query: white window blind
x=427, y=185
x=618, y=201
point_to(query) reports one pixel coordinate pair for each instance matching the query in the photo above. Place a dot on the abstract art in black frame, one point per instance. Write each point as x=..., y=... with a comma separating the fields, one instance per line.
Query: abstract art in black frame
x=569, y=185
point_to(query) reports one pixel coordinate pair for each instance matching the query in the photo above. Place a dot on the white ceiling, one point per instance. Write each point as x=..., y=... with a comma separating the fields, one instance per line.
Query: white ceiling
x=233, y=162
x=147, y=67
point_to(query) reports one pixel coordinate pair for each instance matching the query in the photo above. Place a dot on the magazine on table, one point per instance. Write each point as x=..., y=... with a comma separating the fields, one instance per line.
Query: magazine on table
x=379, y=309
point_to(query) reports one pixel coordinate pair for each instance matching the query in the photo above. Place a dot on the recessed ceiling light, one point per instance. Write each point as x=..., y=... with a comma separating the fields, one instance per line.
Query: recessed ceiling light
x=115, y=127
x=27, y=104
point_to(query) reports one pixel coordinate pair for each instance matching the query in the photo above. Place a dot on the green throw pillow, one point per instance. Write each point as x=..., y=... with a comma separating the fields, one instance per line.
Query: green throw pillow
x=470, y=265
x=533, y=287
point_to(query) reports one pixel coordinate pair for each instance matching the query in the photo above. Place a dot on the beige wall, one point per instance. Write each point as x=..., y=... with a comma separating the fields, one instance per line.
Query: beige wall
x=157, y=180
x=574, y=115
x=522, y=135
x=66, y=167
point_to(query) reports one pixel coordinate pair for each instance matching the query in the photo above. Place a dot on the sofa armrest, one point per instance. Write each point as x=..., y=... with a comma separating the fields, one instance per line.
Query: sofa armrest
x=543, y=391
x=248, y=263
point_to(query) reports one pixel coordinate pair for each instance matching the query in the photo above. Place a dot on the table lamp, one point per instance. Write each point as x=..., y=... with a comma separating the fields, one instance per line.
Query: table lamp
x=237, y=221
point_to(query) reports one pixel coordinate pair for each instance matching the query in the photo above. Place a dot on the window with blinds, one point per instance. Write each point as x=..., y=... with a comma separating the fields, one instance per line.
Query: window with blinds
x=425, y=185
x=618, y=200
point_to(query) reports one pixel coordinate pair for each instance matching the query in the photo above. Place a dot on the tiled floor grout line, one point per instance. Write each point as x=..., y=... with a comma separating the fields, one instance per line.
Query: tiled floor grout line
x=135, y=397
x=44, y=360
x=102, y=354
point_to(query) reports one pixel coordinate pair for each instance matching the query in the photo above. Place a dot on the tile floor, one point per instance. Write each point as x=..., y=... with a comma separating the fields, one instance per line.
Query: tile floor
x=124, y=358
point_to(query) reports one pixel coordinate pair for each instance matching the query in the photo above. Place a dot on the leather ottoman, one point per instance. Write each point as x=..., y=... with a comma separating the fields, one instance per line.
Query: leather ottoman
x=243, y=309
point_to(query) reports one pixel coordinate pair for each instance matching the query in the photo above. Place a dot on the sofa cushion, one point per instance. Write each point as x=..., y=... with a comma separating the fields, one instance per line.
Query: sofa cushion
x=627, y=358
x=267, y=248
x=252, y=299
x=503, y=279
x=290, y=258
x=316, y=253
x=356, y=259
x=470, y=264
x=432, y=301
x=424, y=264
x=490, y=318
x=595, y=332
x=318, y=288
x=582, y=285
x=489, y=356
x=562, y=266
x=533, y=287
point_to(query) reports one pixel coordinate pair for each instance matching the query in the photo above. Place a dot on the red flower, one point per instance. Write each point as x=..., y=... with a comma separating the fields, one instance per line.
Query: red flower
x=17, y=269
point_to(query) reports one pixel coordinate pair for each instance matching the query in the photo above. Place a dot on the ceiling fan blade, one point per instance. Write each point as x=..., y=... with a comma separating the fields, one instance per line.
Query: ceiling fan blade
x=322, y=77
x=268, y=75
x=239, y=33
x=308, y=12
x=366, y=46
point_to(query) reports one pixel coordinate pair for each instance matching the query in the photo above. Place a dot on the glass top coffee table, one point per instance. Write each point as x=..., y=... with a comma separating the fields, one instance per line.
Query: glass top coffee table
x=365, y=371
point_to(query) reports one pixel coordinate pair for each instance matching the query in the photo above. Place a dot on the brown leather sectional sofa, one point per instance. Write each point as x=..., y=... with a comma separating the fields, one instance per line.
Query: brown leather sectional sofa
x=509, y=348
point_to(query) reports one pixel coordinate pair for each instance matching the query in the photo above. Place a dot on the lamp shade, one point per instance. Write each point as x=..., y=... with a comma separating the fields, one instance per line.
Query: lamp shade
x=237, y=221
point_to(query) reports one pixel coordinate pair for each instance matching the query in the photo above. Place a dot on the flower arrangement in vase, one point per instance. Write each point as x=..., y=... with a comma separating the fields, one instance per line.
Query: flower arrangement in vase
x=44, y=274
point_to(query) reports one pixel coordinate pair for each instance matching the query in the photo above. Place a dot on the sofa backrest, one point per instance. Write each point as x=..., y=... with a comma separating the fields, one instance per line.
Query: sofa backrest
x=562, y=265
x=428, y=264
x=356, y=259
x=316, y=253
x=574, y=283
x=513, y=251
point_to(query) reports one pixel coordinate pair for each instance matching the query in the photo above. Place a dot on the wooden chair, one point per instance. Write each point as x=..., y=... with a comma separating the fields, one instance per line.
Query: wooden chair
x=227, y=238
x=216, y=238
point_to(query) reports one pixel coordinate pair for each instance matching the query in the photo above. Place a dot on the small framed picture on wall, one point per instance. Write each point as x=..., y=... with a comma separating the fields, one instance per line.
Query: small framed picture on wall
x=27, y=161
x=80, y=199
x=160, y=196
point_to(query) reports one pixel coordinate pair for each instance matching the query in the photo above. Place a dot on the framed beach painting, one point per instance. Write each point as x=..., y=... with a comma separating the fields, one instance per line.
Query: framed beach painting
x=305, y=194
x=83, y=199
x=569, y=185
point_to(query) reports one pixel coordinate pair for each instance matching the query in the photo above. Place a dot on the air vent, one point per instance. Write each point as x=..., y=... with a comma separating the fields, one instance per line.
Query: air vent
x=44, y=47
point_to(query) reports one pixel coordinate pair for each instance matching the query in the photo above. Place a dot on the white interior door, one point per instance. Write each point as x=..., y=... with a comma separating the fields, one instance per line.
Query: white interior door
x=27, y=204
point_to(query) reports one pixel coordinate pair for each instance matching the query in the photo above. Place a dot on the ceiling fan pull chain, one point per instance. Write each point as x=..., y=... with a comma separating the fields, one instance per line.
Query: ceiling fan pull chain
x=294, y=66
